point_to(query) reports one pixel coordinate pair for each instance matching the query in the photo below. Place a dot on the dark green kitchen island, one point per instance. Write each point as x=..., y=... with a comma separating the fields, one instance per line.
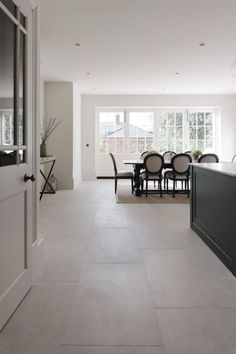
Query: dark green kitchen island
x=213, y=208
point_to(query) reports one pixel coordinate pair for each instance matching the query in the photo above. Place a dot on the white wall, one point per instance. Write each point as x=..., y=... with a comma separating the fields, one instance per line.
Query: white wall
x=63, y=102
x=77, y=175
x=59, y=105
x=90, y=102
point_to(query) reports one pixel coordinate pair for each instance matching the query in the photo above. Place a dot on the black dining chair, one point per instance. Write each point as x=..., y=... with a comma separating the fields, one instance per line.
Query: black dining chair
x=122, y=174
x=167, y=155
x=234, y=158
x=153, y=166
x=143, y=155
x=180, y=171
x=208, y=158
x=189, y=152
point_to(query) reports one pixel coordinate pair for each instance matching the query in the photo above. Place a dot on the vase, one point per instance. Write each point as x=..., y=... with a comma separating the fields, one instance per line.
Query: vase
x=43, y=150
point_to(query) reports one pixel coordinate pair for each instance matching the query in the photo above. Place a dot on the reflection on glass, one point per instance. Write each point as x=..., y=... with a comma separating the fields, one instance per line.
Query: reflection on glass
x=7, y=158
x=22, y=154
x=22, y=89
x=22, y=20
x=10, y=6
x=7, y=45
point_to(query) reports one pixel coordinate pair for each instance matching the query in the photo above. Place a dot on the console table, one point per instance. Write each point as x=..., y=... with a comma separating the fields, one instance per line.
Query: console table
x=46, y=177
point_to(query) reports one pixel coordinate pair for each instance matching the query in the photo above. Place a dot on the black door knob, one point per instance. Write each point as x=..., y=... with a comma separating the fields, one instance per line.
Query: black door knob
x=27, y=177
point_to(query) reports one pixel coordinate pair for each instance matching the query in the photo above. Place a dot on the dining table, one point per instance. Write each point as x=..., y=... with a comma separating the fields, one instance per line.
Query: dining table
x=138, y=165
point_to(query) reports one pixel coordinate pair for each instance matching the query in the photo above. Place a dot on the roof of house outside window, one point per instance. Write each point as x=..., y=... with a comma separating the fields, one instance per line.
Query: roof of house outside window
x=134, y=132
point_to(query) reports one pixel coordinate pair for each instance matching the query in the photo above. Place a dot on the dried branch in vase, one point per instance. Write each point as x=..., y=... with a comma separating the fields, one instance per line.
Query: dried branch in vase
x=48, y=129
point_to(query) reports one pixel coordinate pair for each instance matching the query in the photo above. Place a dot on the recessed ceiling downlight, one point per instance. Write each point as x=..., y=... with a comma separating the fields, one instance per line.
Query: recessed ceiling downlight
x=77, y=44
x=202, y=44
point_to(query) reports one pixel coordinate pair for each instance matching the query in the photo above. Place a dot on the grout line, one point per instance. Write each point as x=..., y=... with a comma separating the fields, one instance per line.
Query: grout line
x=114, y=345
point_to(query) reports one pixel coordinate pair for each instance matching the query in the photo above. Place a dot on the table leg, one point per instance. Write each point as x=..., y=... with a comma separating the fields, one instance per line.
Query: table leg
x=137, y=189
x=47, y=181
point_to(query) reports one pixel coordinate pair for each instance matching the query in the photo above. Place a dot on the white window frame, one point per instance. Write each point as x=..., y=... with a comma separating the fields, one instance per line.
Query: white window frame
x=157, y=111
x=217, y=120
x=140, y=110
x=173, y=110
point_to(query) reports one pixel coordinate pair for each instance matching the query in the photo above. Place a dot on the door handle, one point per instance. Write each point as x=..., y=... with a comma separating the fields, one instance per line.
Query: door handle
x=27, y=177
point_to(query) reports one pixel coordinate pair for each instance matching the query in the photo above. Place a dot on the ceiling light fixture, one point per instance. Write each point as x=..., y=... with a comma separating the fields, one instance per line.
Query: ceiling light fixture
x=88, y=73
x=202, y=44
x=77, y=44
x=177, y=73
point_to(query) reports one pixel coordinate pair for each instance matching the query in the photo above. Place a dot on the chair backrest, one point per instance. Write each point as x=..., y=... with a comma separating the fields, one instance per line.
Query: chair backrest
x=168, y=155
x=188, y=152
x=153, y=164
x=180, y=163
x=208, y=158
x=234, y=158
x=114, y=162
x=144, y=154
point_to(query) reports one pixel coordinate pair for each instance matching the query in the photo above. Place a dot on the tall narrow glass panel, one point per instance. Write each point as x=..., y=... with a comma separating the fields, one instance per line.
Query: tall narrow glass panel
x=7, y=88
x=22, y=111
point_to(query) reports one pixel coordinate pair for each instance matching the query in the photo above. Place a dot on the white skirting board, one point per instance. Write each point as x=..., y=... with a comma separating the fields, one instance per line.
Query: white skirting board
x=65, y=184
x=86, y=176
x=37, y=258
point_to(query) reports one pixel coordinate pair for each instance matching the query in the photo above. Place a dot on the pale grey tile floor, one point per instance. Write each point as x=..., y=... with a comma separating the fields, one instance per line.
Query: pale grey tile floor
x=122, y=279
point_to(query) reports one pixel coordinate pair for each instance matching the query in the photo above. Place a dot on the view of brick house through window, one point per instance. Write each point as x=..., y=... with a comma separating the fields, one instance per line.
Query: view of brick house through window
x=132, y=132
x=113, y=132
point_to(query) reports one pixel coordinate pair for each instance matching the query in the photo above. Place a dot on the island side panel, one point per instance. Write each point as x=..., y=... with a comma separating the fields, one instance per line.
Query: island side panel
x=213, y=212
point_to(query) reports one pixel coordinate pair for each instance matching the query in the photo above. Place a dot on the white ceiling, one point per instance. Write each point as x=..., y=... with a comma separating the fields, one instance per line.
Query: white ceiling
x=137, y=46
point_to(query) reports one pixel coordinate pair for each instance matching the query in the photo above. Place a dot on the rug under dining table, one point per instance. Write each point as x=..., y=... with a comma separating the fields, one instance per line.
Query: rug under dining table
x=124, y=195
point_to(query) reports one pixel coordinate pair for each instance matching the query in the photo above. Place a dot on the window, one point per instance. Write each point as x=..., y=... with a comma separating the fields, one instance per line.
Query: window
x=111, y=132
x=7, y=130
x=202, y=131
x=140, y=131
x=13, y=39
x=136, y=130
x=171, y=131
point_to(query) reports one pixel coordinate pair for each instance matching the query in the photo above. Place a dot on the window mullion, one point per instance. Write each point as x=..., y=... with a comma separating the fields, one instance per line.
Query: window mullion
x=126, y=146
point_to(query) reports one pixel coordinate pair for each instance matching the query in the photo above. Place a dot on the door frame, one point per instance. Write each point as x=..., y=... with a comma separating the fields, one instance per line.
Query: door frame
x=33, y=156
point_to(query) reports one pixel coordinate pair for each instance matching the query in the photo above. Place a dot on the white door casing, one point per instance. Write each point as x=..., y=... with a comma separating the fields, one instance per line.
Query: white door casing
x=16, y=195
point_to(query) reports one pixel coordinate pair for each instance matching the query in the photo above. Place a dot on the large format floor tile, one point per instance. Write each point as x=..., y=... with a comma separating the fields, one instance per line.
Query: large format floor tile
x=112, y=219
x=63, y=259
x=182, y=300
x=177, y=278
x=39, y=320
x=111, y=350
x=112, y=306
x=163, y=236
x=113, y=246
x=198, y=331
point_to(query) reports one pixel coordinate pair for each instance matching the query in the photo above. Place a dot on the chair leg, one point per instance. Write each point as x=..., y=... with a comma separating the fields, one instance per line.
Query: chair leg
x=188, y=187
x=167, y=185
x=160, y=188
x=132, y=185
x=146, y=187
x=155, y=184
x=115, y=185
x=182, y=182
x=174, y=188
